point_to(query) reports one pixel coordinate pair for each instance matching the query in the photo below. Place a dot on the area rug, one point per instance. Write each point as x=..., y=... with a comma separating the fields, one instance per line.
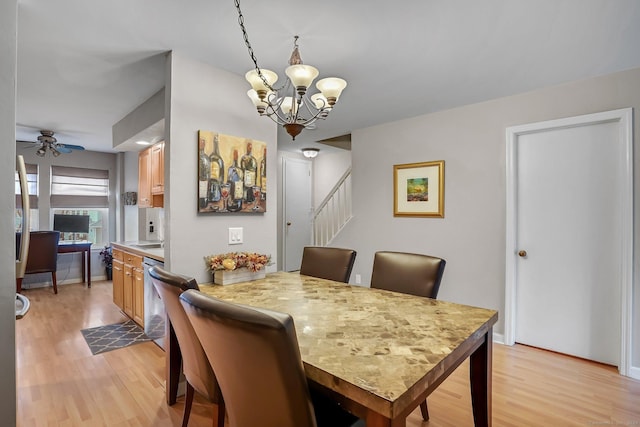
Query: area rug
x=111, y=337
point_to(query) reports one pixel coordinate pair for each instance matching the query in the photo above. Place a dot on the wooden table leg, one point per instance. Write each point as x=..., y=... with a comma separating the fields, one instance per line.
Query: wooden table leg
x=480, y=372
x=84, y=264
x=173, y=362
x=88, y=268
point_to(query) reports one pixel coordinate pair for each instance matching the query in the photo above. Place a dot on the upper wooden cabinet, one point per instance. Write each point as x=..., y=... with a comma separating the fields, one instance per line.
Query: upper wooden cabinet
x=157, y=168
x=151, y=177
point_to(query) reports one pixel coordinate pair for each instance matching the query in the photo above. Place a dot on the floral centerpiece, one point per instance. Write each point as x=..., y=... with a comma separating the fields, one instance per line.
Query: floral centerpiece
x=236, y=267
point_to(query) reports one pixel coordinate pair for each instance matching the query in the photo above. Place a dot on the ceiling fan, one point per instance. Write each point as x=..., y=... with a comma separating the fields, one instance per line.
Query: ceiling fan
x=49, y=142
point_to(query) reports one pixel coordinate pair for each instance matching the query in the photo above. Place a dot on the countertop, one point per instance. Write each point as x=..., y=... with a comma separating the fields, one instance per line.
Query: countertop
x=366, y=342
x=141, y=247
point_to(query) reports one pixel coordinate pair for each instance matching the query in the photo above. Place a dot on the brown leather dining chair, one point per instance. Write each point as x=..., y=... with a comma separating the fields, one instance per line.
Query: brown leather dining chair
x=42, y=256
x=408, y=273
x=197, y=369
x=256, y=357
x=328, y=263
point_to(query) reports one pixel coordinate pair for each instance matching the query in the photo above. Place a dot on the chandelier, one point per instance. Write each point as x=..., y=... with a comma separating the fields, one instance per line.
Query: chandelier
x=290, y=105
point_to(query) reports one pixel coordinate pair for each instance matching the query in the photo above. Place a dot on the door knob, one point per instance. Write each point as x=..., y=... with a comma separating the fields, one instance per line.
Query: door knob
x=289, y=223
x=522, y=253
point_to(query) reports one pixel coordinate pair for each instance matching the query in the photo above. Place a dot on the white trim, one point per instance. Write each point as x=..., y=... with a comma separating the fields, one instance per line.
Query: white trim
x=498, y=338
x=625, y=118
x=634, y=373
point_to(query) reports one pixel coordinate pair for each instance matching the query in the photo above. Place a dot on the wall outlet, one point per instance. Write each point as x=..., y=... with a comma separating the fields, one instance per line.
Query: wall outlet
x=358, y=279
x=235, y=235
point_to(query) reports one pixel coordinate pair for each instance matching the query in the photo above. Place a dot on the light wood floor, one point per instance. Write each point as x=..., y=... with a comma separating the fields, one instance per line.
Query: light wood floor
x=61, y=384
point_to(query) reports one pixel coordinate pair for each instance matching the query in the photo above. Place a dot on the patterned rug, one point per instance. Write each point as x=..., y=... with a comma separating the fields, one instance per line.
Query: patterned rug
x=111, y=337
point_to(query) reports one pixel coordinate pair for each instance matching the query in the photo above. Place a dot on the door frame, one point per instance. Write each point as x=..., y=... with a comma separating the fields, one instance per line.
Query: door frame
x=624, y=118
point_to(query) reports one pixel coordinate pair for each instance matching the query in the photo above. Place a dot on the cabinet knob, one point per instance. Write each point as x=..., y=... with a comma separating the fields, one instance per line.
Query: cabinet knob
x=522, y=254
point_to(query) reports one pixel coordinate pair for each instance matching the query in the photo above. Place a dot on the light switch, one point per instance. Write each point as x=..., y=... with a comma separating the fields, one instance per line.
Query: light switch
x=235, y=235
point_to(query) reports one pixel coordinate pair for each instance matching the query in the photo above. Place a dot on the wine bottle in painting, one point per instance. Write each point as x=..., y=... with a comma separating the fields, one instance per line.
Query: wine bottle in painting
x=203, y=175
x=249, y=169
x=234, y=177
x=216, y=177
x=263, y=175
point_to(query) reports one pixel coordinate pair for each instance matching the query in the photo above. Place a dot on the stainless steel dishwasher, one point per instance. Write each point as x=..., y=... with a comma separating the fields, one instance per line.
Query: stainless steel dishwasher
x=154, y=314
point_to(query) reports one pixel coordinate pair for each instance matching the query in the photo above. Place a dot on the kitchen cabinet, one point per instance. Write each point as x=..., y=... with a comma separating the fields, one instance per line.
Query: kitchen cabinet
x=144, y=179
x=138, y=297
x=128, y=284
x=118, y=278
x=151, y=177
x=157, y=168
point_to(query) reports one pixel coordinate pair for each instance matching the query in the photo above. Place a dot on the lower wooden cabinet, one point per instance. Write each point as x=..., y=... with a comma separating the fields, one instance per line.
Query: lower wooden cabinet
x=138, y=297
x=118, y=282
x=128, y=284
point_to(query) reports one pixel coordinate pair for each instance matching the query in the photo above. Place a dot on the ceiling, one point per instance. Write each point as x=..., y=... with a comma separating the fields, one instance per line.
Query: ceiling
x=82, y=66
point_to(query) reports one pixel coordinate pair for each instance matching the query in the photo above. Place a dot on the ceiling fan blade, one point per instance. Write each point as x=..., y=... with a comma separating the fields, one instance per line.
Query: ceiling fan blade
x=71, y=146
x=62, y=148
x=29, y=142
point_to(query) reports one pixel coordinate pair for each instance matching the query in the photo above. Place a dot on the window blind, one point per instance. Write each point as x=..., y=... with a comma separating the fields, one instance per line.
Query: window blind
x=79, y=187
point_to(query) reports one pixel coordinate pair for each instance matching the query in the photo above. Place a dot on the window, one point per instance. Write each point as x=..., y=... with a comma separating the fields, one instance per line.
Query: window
x=32, y=185
x=80, y=191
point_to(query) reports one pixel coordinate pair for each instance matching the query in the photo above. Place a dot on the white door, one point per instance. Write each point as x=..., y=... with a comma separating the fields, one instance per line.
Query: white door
x=297, y=210
x=570, y=258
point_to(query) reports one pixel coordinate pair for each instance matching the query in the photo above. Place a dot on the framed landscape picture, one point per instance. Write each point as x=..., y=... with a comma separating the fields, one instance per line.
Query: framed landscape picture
x=232, y=174
x=418, y=189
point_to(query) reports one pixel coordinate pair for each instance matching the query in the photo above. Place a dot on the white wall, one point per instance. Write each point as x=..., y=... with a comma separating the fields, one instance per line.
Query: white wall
x=207, y=98
x=8, y=35
x=471, y=141
x=330, y=165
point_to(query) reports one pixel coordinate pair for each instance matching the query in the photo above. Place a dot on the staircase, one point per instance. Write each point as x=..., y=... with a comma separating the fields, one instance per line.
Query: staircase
x=334, y=212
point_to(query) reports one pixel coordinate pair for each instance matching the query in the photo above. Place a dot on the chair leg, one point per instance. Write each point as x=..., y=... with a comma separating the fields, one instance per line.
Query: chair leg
x=187, y=405
x=218, y=414
x=55, y=283
x=19, y=285
x=425, y=410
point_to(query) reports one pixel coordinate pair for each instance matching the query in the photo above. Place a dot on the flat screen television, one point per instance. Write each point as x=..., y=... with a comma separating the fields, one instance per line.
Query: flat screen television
x=71, y=223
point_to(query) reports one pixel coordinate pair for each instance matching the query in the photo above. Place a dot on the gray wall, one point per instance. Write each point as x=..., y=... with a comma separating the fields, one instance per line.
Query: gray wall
x=330, y=165
x=471, y=141
x=207, y=98
x=8, y=34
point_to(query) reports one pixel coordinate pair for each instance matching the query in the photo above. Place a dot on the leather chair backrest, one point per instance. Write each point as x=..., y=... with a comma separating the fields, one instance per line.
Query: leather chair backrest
x=43, y=252
x=328, y=263
x=408, y=273
x=256, y=357
x=195, y=364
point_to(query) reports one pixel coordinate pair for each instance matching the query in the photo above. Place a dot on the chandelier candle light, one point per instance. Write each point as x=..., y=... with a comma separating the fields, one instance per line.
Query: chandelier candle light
x=290, y=105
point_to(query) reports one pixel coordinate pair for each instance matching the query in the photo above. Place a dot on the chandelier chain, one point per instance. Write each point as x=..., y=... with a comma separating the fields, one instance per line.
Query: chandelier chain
x=249, y=48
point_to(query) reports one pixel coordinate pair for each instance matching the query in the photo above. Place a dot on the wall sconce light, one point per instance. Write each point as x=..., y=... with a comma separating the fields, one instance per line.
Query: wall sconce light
x=310, y=153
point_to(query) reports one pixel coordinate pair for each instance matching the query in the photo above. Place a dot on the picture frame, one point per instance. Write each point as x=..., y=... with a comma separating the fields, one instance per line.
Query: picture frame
x=231, y=174
x=418, y=189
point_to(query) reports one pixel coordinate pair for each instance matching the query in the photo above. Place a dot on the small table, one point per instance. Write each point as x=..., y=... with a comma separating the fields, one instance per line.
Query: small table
x=84, y=247
x=378, y=353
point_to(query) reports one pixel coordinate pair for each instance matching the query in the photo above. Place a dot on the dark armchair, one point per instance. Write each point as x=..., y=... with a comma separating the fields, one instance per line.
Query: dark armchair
x=42, y=256
x=328, y=263
x=196, y=367
x=408, y=273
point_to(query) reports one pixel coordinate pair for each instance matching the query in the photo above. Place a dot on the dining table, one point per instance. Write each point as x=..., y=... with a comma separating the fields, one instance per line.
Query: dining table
x=377, y=353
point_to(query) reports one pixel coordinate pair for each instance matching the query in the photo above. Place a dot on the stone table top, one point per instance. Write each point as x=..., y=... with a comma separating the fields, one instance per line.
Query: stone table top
x=379, y=348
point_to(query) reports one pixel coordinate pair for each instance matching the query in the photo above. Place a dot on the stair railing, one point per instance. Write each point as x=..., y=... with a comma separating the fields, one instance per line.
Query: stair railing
x=334, y=212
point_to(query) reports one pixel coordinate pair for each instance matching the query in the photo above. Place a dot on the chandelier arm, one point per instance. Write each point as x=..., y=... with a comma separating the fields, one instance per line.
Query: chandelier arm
x=250, y=49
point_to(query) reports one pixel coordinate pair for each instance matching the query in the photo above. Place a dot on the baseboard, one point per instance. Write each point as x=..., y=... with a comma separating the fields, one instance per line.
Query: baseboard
x=634, y=372
x=498, y=338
